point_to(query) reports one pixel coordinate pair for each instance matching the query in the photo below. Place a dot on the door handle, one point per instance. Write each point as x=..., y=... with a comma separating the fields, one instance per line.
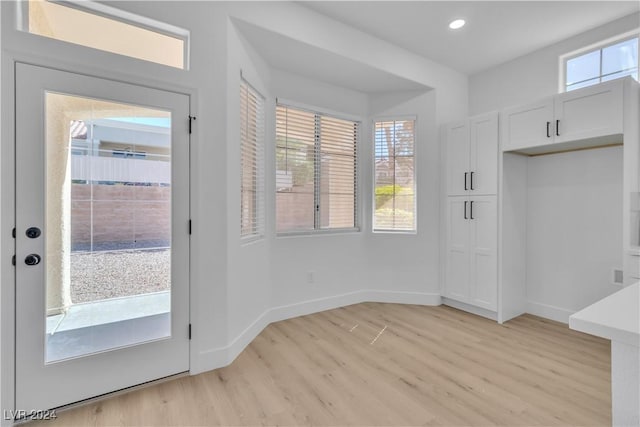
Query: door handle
x=32, y=259
x=471, y=209
x=465, y=209
x=33, y=232
x=472, y=180
x=465, y=181
x=548, y=134
x=558, y=127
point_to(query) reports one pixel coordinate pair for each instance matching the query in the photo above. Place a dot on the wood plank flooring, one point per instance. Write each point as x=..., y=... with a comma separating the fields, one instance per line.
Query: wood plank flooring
x=378, y=364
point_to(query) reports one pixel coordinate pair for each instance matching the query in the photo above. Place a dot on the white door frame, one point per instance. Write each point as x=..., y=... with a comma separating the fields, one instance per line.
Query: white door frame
x=7, y=205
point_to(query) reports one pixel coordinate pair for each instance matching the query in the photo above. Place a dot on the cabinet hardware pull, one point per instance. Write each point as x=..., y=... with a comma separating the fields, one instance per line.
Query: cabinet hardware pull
x=472, y=180
x=465, y=181
x=471, y=209
x=465, y=209
x=548, y=124
x=557, y=127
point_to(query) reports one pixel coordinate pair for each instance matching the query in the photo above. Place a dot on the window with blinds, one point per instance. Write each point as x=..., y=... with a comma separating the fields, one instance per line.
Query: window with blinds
x=251, y=162
x=316, y=171
x=394, y=181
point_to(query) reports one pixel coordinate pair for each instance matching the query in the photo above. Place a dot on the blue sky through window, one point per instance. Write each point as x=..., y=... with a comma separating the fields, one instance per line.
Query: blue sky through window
x=603, y=64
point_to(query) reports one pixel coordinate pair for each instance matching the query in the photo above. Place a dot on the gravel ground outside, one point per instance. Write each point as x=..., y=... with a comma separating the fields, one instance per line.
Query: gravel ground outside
x=110, y=274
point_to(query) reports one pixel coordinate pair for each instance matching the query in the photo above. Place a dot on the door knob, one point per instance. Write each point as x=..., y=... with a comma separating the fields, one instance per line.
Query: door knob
x=32, y=259
x=33, y=232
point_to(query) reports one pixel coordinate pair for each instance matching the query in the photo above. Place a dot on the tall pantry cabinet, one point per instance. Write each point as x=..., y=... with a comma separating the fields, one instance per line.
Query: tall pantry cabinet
x=471, y=148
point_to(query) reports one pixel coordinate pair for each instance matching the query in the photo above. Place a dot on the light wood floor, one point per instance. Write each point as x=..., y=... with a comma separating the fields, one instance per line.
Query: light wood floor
x=385, y=364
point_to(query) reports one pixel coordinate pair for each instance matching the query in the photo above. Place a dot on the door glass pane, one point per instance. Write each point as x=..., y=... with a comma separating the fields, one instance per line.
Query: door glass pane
x=108, y=225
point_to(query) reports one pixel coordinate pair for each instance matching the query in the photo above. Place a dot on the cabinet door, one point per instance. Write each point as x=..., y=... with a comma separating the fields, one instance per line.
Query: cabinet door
x=457, y=158
x=528, y=126
x=483, y=272
x=457, y=271
x=591, y=112
x=483, y=176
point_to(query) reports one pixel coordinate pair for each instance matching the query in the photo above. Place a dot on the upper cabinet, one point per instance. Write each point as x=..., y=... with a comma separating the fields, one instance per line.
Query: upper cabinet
x=592, y=112
x=577, y=119
x=458, y=156
x=527, y=125
x=472, y=156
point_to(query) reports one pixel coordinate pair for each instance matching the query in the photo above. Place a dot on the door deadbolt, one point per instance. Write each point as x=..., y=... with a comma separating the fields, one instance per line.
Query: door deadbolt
x=33, y=232
x=32, y=259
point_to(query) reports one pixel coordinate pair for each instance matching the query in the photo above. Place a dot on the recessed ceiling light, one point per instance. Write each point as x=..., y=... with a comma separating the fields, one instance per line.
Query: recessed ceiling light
x=458, y=23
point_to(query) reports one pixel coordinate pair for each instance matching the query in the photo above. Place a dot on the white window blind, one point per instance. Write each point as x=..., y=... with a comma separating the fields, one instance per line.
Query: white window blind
x=394, y=181
x=251, y=162
x=316, y=171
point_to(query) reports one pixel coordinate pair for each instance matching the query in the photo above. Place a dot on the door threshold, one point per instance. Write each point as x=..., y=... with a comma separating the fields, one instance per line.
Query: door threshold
x=112, y=394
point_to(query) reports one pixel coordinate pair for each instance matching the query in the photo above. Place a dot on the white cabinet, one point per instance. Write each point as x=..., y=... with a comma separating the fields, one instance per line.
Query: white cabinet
x=458, y=154
x=588, y=115
x=471, y=254
x=472, y=156
x=591, y=112
x=471, y=231
x=527, y=126
x=483, y=177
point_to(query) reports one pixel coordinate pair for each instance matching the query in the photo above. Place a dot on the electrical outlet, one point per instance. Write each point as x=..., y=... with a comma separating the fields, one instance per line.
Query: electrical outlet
x=617, y=277
x=311, y=277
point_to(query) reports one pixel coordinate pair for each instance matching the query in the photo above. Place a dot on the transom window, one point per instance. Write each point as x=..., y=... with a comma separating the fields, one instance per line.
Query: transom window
x=316, y=171
x=606, y=62
x=99, y=26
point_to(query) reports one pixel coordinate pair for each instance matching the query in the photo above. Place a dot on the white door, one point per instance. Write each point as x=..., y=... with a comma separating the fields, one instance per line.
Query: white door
x=457, y=258
x=483, y=214
x=590, y=112
x=528, y=126
x=483, y=176
x=102, y=245
x=458, y=159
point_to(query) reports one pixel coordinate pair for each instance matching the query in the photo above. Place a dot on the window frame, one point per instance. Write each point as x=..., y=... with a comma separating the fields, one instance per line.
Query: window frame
x=109, y=12
x=395, y=118
x=258, y=232
x=320, y=112
x=599, y=46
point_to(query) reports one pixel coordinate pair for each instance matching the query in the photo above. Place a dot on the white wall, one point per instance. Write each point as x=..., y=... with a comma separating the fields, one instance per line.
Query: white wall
x=234, y=285
x=248, y=264
x=409, y=262
x=337, y=260
x=574, y=229
x=536, y=75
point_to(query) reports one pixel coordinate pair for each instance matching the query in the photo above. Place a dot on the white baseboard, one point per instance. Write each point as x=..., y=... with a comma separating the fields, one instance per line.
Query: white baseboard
x=303, y=308
x=478, y=311
x=549, y=311
x=240, y=342
x=208, y=360
x=418, y=298
x=223, y=356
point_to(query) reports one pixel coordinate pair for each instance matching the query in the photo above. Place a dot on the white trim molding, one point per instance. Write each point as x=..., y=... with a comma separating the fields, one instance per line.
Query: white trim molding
x=224, y=356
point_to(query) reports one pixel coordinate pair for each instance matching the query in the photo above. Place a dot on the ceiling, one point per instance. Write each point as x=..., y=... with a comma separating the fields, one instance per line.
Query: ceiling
x=496, y=31
x=294, y=56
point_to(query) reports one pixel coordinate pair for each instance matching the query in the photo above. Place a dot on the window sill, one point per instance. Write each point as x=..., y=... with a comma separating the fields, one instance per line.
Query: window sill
x=405, y=232
x=331, y=232
x=247, y=240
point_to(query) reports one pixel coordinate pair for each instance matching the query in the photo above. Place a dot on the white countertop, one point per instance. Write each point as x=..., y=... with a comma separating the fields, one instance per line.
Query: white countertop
x=616, y=317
